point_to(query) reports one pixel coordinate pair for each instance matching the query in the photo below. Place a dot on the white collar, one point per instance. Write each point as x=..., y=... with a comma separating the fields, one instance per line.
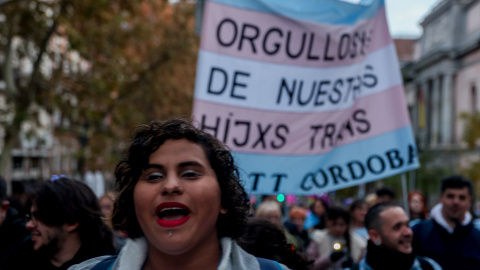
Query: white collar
x=436, y=214
x=133, y=254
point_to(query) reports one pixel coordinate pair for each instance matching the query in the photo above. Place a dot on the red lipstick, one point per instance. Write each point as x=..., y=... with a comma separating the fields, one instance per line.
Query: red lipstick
x=172, y=214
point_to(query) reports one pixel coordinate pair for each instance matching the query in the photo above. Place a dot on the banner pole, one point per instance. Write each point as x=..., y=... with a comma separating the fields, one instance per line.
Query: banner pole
x=405, y=195
x=412, y=180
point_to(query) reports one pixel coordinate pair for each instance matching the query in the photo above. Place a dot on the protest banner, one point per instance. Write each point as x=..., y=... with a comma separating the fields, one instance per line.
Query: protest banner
x=308, y=95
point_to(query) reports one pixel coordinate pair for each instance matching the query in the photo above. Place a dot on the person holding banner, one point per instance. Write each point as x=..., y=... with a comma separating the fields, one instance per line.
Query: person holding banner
x=181, y=203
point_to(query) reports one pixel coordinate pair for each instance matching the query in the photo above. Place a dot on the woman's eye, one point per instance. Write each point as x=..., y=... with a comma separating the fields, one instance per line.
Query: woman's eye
x=190, y=174
x=154, y=176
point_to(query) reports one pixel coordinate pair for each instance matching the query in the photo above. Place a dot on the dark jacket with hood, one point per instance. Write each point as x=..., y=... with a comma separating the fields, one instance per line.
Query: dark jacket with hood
x=452, y=249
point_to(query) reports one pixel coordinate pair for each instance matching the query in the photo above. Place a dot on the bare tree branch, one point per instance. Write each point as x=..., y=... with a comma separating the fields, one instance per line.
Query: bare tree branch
x=27, y=52
x=42, y=49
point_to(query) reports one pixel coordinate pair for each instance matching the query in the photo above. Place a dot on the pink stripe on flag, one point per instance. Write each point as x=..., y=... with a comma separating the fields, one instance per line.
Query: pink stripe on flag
x=309, y=44
x=282, y=133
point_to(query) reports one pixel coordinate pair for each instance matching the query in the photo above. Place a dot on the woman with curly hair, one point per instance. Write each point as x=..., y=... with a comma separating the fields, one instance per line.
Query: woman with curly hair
x=180, y=201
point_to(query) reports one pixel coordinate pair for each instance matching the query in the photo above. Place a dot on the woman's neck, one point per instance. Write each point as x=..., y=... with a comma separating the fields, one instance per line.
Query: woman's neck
x=207, y=256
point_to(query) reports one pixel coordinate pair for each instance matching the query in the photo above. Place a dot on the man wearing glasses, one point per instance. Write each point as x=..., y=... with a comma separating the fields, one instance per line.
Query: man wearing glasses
x=66, y=226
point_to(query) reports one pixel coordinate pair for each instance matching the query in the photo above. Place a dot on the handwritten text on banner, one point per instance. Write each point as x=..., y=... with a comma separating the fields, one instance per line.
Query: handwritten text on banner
x=308, y=102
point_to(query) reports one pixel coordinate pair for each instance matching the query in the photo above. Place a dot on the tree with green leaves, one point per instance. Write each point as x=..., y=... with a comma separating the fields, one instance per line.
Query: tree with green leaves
x=471, y=134
x=106, y=66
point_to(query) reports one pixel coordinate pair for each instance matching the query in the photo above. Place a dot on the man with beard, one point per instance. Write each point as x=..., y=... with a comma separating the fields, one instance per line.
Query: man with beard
x=450, y=237
x=66, y=226
x=390, y=243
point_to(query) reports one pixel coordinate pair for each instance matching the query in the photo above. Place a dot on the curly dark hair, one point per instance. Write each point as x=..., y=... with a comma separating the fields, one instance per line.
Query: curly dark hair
x=147, y=139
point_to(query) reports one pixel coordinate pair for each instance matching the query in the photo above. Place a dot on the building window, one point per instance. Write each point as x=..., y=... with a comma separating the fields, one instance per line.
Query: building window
x=35, y=162
x=17, y=162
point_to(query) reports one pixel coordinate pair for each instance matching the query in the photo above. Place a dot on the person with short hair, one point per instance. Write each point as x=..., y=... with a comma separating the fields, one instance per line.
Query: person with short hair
x=65, y=222
x=385, y=194
x=181, y=202
x=390, y=243
x=450, y=237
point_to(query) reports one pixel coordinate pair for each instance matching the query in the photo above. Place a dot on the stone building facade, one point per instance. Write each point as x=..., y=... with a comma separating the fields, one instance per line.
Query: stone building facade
x=443, y=80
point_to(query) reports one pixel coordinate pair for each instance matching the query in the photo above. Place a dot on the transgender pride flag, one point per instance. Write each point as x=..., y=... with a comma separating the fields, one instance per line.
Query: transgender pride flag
x=307, y=94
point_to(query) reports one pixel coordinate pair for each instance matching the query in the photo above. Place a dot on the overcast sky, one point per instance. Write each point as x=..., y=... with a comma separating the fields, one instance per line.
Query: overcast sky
x=404, y=16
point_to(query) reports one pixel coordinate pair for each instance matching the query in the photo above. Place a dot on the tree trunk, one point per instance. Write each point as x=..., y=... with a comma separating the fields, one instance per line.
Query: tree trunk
x=11, y=137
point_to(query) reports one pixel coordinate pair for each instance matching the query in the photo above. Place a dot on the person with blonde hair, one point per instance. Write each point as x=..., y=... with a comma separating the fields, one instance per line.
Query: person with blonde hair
x=106, y=203
x=271, y=211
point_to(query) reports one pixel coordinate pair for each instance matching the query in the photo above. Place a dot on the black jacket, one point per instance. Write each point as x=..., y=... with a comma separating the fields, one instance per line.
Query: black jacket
x=459, y=250
x=26, y=258
x=12, y=234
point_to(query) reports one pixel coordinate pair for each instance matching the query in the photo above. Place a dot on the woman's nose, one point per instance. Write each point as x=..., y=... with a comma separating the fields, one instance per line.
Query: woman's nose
x=172, y=185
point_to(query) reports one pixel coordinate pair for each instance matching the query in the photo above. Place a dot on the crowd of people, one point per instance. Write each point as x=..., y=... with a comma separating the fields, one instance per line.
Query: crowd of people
x=179, y=204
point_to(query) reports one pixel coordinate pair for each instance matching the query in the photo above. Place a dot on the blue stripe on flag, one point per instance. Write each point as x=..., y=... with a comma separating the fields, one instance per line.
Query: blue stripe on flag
x=318, y=11
x=296, y=168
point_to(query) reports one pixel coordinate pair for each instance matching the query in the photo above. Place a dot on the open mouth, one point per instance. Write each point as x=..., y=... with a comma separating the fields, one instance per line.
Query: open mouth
x=172, y=214
x=405, y=242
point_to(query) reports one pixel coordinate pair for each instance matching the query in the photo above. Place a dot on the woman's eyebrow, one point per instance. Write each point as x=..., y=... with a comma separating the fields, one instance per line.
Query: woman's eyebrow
x=182, y=164
x=190, y=163
x=156, y=166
